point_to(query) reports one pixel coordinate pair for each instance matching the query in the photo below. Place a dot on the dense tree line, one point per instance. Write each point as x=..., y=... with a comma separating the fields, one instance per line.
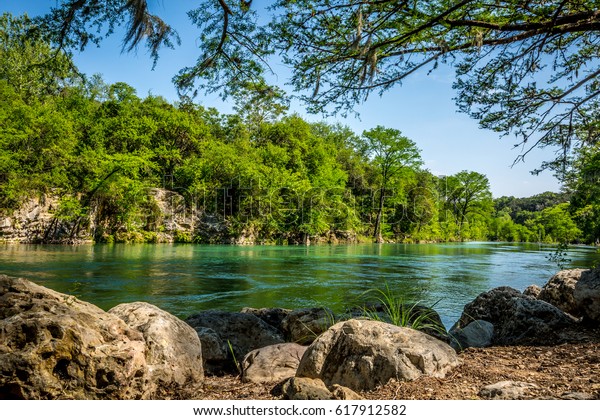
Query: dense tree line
x=103, y=148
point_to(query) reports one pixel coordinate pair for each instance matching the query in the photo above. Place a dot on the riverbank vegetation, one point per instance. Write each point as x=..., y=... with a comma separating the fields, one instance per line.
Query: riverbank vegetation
x=104, y=151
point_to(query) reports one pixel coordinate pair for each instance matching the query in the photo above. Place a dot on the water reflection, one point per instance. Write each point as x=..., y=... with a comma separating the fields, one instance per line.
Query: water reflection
x=183, y=279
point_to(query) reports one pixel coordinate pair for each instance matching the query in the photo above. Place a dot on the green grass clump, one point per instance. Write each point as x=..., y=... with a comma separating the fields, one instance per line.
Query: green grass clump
x=397, y=312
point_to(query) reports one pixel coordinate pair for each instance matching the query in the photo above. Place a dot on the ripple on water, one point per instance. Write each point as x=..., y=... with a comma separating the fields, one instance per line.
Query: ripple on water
x=183, y=279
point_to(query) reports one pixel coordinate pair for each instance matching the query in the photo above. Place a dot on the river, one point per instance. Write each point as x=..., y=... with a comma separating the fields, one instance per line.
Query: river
x=183, y=279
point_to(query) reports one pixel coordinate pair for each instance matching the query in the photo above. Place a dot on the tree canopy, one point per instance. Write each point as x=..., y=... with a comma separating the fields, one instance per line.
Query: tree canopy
x=529, y=68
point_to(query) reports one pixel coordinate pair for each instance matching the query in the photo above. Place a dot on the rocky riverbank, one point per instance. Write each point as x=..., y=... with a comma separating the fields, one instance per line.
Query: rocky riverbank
x=507, y=344
x=566, y=371
x=46, y=219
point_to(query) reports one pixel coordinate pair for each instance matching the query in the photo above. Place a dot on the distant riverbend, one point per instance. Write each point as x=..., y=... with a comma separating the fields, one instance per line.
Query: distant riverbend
x=186, y=278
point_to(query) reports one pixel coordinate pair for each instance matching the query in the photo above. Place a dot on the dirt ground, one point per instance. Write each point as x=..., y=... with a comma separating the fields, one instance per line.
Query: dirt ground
x=556, y=371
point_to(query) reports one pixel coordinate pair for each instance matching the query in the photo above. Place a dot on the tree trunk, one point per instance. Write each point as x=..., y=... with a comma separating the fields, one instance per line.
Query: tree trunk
x=377, y=231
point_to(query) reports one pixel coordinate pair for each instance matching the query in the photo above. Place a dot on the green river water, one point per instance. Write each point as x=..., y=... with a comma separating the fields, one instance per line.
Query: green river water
x=183, y=279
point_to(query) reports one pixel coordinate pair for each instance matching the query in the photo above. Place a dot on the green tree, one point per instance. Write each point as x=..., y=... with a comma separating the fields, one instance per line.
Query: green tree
x=558, y=226
x=390, y=153
x=466, y=194
x=523, y=67
x=257, y=103
x=419, y=216
x=28, y=62
x=585, y=187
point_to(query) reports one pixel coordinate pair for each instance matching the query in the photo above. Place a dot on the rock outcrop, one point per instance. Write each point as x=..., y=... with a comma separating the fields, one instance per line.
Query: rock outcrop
x=173, y=350
x=518, y=319
x=36, y=221
x=228, y=336
x=362, y=355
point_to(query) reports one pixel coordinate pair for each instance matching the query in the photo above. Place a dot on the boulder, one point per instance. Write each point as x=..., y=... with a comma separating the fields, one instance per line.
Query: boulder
x=478, y=333
x=54, y=346
x=272, y=363
x=302, y=326
x=577, y=396
x=342, y=393
x=362, y=354
x=423, y=318
x=518, y=319
x=272, y=316
x=173, y=350
x=315, y=389
x=227, y=337
x=587, y=294
x=506, y=390
x=532, y=291
x=306, y=389
x=488, y=305
x=216, y=355
x=559, y=291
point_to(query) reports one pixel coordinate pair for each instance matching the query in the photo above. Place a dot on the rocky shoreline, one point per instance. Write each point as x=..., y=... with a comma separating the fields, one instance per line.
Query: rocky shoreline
x=507, y=344
x=39, y=220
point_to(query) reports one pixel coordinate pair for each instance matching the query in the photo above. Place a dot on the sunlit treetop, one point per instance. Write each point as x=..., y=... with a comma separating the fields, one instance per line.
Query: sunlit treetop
x=529, y=68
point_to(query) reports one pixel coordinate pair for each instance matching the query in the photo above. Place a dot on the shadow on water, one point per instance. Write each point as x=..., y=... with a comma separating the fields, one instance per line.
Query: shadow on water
x=183, y=279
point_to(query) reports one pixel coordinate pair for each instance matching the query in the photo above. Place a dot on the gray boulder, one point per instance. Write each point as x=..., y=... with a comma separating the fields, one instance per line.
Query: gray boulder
x=272, y=316
x=478, y=333
x=559, y=291
x=216, y=355
x=489, y=305
x=587, y=294
x=362, y=355
x=272, y=363
x=506, y=390
x=518, y=319
x=55, y=346
x=228, y=336
x=302, y=326
x=577, y=396
x=173, y=350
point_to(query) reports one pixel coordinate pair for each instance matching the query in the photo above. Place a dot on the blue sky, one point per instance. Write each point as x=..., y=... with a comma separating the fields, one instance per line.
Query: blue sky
x=422, y=108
